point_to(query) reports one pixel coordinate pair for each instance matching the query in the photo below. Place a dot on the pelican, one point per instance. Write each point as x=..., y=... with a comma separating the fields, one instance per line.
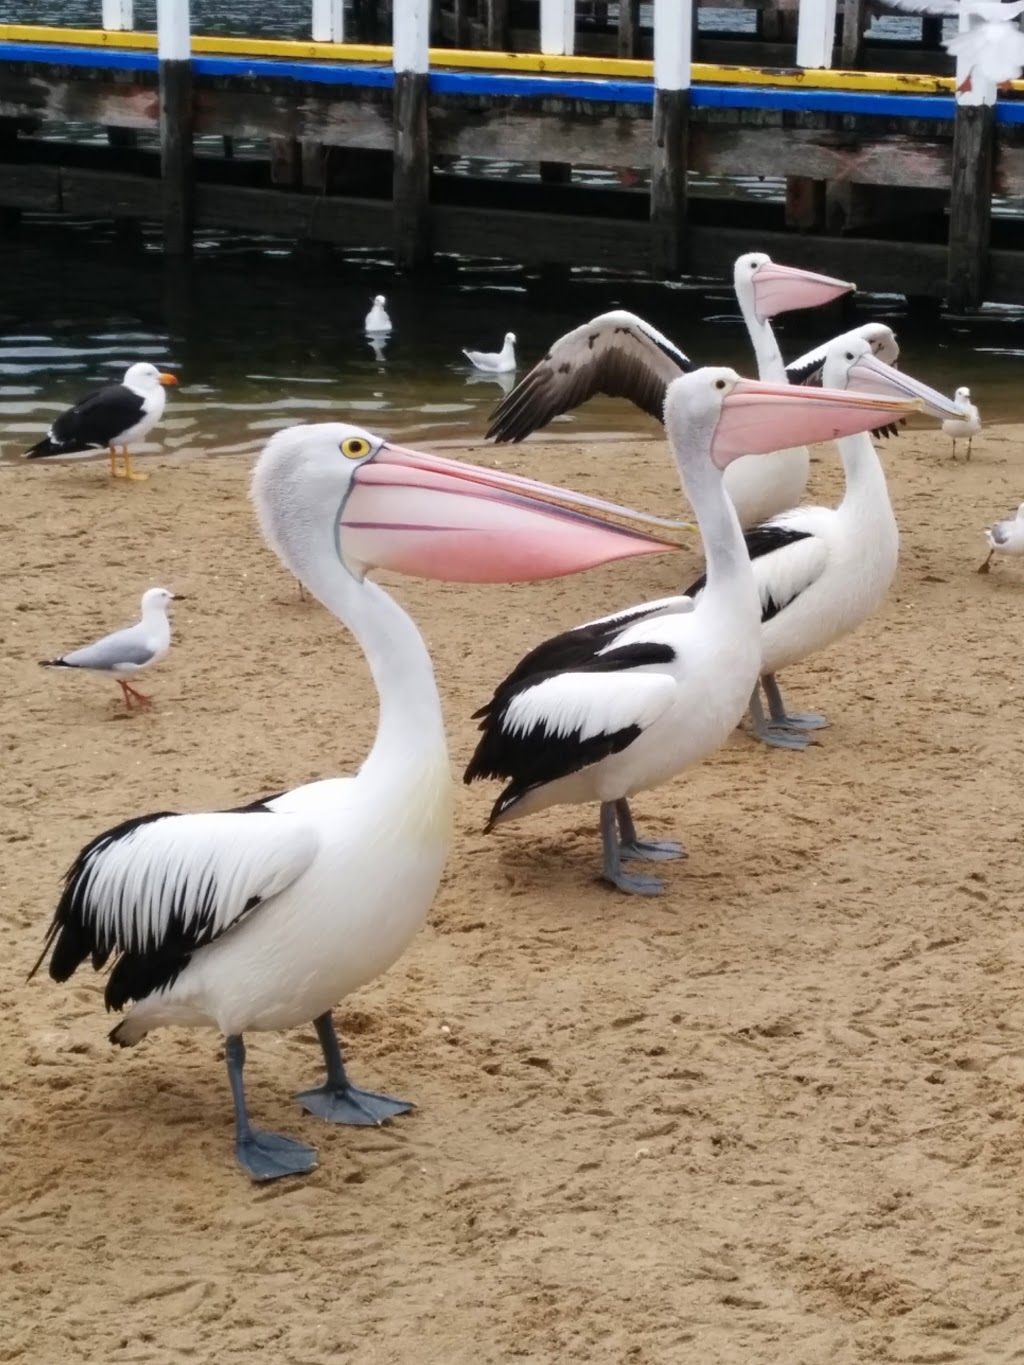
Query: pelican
x=264, y=916
x=620, y=354
x=129, y=650
x=965, y=426
x=377, y=322
x=1005, y=538
x=822, y=571
x=495, y=362
x=625, y=703
x=116, y=415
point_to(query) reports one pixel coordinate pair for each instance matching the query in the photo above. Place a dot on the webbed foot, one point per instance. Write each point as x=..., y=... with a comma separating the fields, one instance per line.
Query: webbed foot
x=269, y=1156
x=348, y=1104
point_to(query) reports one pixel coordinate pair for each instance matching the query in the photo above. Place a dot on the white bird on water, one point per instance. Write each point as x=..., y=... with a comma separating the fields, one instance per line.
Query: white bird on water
x=495, y=362
x=131, y=650
x=1005, y=538
x=624, y=704
x=266, y=915
x=822, y=571
x=377, y=321
x=967, y=425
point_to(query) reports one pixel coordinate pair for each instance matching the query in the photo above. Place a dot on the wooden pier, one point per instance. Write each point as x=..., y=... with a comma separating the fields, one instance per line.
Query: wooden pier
x=889, y=176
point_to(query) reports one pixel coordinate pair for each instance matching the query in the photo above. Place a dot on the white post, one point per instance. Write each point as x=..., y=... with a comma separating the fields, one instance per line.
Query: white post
x=174, y=41
x=328, y=21
x=673, y=44
x=815, y=33
x=982, y=90
x=411, y=36
x=118, y=15
x=557, y=27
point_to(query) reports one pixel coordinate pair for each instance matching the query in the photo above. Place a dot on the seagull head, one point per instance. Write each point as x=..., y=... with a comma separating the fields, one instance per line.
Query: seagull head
x=159, y=599
x=145, y=378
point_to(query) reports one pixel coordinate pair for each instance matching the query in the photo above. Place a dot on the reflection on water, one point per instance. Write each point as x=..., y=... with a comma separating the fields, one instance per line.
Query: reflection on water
x=262, y=338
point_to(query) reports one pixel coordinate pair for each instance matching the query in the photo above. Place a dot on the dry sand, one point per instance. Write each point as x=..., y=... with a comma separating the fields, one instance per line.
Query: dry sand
x=775, y=1116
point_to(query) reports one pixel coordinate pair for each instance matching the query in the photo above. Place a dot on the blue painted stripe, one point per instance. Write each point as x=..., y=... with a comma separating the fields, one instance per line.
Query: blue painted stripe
x=593, y=89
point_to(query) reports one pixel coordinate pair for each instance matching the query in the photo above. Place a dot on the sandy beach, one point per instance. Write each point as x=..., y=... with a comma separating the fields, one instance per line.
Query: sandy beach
x=775, y=1117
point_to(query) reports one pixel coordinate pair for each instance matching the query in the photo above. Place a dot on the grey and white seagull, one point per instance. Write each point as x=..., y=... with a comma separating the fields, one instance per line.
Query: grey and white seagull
x=130, y=650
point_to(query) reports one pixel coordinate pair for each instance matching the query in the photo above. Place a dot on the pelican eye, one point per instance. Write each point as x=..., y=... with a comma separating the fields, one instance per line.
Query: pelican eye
x=849, y=355
x=719, y=383
x=355, y=447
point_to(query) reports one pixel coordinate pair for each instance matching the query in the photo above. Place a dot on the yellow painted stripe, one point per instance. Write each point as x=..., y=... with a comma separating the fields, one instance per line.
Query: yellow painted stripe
x=611, y=68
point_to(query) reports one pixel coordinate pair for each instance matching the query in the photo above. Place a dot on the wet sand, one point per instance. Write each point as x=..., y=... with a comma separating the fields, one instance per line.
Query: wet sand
x=774, y=1116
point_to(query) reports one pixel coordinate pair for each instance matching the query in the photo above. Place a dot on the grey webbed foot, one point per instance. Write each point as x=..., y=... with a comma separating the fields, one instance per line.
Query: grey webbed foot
x=633, y=883
x=652, y=850
x=269, y=1156
x=348, y=1104
x=800, y=720
x=782, y=731
x=782, y=739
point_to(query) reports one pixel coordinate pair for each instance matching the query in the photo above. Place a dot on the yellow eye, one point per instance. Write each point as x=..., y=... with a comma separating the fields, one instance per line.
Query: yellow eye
x=355, y=447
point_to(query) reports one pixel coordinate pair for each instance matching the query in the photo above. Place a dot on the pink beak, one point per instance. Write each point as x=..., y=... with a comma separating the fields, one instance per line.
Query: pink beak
x=429, y=517
x=783, y=288
x=872, y=375
x=758, y=418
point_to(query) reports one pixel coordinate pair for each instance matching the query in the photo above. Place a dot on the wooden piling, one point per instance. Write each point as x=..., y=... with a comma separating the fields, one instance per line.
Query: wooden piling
x=328, y=21
x=498, y=25
x=854, y=21
x=557, y=27
x=118, y=16
x=816, y=33
x=629, y=28
x=176, y=162
x=970, y=205
x=673, y=48
x=411, y=181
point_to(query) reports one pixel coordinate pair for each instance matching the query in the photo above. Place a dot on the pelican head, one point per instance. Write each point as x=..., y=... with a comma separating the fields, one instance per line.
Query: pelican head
x=774, y=289
x=851, y=362
x=392, y=507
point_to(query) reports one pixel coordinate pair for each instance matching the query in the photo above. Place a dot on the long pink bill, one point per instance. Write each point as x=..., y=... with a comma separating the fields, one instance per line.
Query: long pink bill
x=783, y=288
x=870, y=374
x=758, y=418
x=429, y=517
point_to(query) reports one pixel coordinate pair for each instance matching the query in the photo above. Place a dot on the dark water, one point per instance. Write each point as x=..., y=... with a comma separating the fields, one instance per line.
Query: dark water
x=264, y=335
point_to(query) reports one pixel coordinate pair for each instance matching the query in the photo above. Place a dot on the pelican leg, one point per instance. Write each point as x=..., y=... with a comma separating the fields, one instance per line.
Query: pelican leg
x=984, y=568
x=338, y=1100
x=776, y=736
x=130, y=473
x=647, y=850
x=261, y=1155
x=631, y=882
x=780, y=716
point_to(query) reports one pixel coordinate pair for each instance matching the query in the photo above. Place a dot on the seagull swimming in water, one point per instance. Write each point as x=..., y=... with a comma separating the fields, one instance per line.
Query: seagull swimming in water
x=495, y=362
x=377, y=321
x=130, y=650
x=1005, y=537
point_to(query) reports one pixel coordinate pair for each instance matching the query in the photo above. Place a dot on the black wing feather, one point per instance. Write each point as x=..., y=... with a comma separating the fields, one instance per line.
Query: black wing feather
x=96, y=421
x=760, y=540
x=536, y=757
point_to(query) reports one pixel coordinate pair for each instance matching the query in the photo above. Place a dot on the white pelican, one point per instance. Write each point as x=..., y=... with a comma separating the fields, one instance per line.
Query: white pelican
x=624, y=704
x=114, y=415
x=1005, y=538
x=265, y=916
x=377, y=322
x=822, y=571
x=495, y=362
x=621, y=355
x=967, y=425
x=129, y=650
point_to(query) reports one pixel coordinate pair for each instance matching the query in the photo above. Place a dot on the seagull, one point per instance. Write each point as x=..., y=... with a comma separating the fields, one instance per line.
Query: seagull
x=496, y=362
x=115, y=415
x=264, y=916
x=1005, y=538
x=626, y=703
x=377, y=320
x=966, y=426
x=129, y=650
x=991, y=46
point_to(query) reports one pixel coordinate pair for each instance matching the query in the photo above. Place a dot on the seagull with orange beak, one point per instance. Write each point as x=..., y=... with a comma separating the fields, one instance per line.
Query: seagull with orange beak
x=114, y=416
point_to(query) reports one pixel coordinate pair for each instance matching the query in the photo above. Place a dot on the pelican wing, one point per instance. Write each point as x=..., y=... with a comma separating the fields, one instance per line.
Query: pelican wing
x=787, y=559
x=155, y=889
x=617, y=354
